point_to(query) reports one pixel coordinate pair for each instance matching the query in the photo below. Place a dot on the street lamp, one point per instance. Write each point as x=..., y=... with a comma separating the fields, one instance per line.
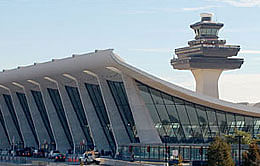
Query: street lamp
x=239, y=148
x=166, y=137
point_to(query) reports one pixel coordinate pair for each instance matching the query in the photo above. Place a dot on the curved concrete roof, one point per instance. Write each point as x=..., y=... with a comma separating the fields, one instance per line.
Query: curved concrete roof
x=106, y=58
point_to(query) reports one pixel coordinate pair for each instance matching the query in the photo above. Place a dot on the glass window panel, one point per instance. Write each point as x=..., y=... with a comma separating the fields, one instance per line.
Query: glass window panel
x=222, y=123
x=171, y=109
x=240, y=122
x=249, y=122
x=194, y=121
x=203, y=121
x=213, y=125
x=167, y=99
x=231, y=123
x=153, y=113
x=156, y=95
x=163, y=114
x=145, y=95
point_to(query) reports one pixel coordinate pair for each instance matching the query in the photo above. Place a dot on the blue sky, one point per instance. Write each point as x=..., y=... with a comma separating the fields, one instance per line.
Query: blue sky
x=143, y=32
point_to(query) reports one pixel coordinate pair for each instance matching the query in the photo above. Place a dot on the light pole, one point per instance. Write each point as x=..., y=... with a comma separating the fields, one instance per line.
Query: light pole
x=166, y=149
x=239, y=148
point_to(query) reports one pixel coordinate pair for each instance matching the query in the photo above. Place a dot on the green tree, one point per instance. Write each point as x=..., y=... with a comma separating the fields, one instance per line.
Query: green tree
x=252, y=156
x=232, y=139
x=219, y=153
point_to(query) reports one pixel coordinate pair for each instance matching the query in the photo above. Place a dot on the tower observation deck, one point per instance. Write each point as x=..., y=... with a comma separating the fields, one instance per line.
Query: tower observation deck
x=207, y=56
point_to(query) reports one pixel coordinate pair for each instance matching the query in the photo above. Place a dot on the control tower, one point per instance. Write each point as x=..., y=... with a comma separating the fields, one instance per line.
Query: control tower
x=207, y=56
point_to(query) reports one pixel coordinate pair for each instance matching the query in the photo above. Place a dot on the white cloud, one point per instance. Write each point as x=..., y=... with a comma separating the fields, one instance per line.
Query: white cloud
x=199, y=8
x=250, y=51
x=240, y=87
x=241, y=3
x=232, y=87
x=170, y=10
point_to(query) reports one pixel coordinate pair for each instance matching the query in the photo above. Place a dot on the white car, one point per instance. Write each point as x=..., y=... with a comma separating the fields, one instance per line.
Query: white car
x=53, y=153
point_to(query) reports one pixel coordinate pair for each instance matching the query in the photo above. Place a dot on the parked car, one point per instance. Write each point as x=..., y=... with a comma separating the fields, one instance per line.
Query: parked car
x=39, y=153
x=4, y=153
x=53, y=153
x=89, y=157
x=59, y=157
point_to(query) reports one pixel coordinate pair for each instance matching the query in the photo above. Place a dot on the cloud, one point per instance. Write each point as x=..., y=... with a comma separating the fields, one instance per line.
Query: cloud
x=241, y=3
x=240, y=87
x=199, y=8
x=170, y=10
x=250, y=51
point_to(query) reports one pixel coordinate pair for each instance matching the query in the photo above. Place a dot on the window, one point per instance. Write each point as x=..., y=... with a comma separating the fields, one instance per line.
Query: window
x=37, y=96
x=56, y=100
x=96, y=98
x=74, y=96
x=118, y=92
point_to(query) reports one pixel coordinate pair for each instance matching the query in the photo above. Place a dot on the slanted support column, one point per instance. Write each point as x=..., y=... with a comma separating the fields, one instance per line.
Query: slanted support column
x=73, y=121
x=207, y=81
x=117, y=124
x=39, y=122
x=62, y=142
x=15, y=134
x=4, y=137
x=29, y=140
x=144, y=123
x=95, y=127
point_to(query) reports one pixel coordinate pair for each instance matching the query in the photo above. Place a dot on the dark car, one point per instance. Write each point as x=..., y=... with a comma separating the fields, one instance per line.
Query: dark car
x=59, y=157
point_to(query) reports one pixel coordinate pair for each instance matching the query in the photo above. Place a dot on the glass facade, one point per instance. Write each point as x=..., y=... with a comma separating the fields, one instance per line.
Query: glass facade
x=9, y=103
x=37, y=96
x=99, y=106
x=186, y=122
x=23, y=101
x=56, y=100
x=2, y=121
x=119, y=94
x=74, y=96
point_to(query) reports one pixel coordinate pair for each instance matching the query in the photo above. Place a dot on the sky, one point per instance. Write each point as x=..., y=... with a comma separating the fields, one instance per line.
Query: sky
x=142, y=32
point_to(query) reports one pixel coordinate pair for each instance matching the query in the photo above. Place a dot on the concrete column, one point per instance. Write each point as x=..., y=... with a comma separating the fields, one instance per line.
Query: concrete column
x=62, y=142
x=36, y=116
x=13, y=132
x=4, y=137
x=207, y=81
x=95, y=127
x=144, y=123
x=116, y=121
x=73, y=121
x=29, y=139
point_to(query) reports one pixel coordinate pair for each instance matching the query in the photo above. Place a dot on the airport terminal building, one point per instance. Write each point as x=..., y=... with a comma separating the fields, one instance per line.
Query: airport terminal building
x=100, y=101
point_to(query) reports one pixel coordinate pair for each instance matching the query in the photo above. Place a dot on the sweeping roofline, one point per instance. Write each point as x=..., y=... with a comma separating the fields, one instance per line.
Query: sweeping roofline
x=106, y=58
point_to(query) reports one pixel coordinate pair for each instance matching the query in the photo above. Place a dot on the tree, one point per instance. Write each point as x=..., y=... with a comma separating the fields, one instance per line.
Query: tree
x=219, y=153
x=232, y=139
x=252, y=156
